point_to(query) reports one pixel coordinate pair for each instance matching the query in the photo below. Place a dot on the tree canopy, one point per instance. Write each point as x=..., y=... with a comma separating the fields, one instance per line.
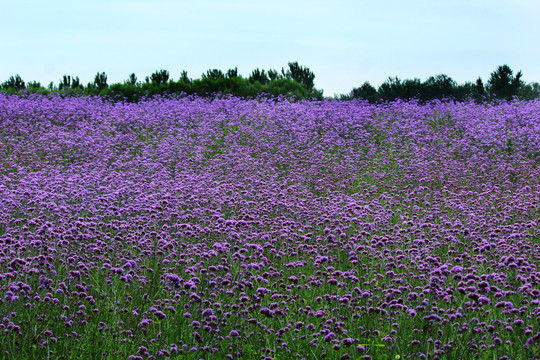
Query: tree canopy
x=502, y=85
x=296, y=81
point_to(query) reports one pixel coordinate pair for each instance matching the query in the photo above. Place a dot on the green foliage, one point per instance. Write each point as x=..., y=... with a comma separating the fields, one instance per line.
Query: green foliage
x=259, y=76
x=273, y=75
x=529, y=91
x=14, y=83
x=34, y=85
x=394, y=88
x=366, y=91
x=413, y=88
x=213, y=74
x=503, y=84
x=299, y=74
x=128, y=92
x=100, y=81
x=391, y=89
x=296, y=81
x=214, y=85
x=131, y=80
x=69, y=83
x=160, y=77
x=232, y=73
x=479, y=91
x=184, y=77
x=287, y=86
x=439, y=87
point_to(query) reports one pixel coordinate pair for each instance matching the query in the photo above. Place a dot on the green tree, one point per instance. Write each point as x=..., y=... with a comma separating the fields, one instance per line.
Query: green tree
x=394, y=88
x=76, y=84
x=131, y=80
x=14, y=82
x=160, y=77
x=299, y=74
x=438, y=87
x=232, y=73
x=213, y=74
x=273, y=75
x=259, y=76
x=34, y=85
x=366, y=91
x=65, y=82
x=184, y=77
x=412, y=88
x=69, y=83
x=126, y=91
x=503, y=84
x=100, y=81
x=479, y=91
x=391, y=89
x=530, y=91
x=289, y=87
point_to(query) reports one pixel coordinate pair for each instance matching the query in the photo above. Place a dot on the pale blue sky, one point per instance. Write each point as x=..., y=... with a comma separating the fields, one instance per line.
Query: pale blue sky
x=343, y=42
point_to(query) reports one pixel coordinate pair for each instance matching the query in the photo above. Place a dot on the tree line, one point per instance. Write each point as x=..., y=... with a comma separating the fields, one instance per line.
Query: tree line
x=294, y=81
x=502, y=84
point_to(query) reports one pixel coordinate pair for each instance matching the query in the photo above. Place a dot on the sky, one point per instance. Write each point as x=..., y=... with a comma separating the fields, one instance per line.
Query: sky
x=344, y=42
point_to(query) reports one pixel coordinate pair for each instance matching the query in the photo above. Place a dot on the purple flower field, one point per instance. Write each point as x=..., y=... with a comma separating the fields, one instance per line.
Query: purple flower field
x=191, y=228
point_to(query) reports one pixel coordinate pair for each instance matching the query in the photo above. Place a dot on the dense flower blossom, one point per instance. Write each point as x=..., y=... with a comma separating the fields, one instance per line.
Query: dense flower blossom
x=235, y=228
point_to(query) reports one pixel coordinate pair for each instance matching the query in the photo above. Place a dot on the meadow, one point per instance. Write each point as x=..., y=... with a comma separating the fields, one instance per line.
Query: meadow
x=198, y=228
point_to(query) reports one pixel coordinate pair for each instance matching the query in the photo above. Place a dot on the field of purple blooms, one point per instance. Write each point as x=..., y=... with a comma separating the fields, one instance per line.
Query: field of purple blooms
x=191, y=228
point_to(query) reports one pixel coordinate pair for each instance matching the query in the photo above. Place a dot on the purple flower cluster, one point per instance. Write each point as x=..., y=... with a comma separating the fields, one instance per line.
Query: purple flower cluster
x=233, y=228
